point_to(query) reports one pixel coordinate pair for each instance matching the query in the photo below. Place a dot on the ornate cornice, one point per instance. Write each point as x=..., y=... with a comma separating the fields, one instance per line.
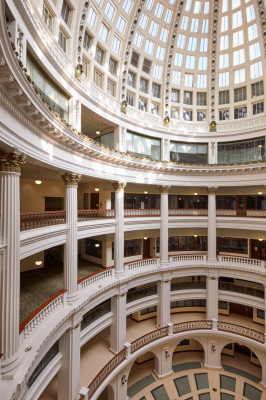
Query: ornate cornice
x=164, y=189
x=71, y=179
x=212, y=190
x=119, y=186
x=11, y=162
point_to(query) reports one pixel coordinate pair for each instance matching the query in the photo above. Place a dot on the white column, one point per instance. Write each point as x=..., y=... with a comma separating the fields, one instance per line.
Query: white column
x=119, y=138
x=212, y=353
x=10, y=169
x=212, y=297
x=71, y=246
x=119, y=322
x=163, y=307
x=69, y=373
x=164, y=225
x=119, y=228
x=212, y=254
x=163, y=362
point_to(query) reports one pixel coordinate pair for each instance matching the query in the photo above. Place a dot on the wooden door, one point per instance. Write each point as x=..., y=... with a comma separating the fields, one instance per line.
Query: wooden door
x=94, y=201
x=146, y=248
x=241, y=309
x=255, y=248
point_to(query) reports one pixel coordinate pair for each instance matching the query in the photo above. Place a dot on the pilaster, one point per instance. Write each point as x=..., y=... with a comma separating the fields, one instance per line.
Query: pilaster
x=118, y=327
x=10, y=169
x=164, y=225
x=119, y=228
x=120, y=138
x=71, y=246
x=164, y=301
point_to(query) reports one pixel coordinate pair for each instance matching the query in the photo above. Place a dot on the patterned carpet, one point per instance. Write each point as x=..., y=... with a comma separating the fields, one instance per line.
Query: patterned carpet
x=37, y=286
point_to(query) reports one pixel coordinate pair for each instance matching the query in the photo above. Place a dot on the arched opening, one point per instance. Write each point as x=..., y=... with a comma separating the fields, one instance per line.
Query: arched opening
x=107, y=393
x=241, y=360
x=141, y=373
x=188, y=353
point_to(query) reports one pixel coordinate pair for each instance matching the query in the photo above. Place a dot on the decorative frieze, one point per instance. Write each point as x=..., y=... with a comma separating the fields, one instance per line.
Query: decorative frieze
x=119, y=186
x=11, y=162
x=71, y=179
x=164, y=189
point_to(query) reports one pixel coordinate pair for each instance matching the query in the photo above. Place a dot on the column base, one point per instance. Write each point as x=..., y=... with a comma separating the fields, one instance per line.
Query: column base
x=8, y=367
x=119, y=274
x=212, y=367
x=163, y=375
x=71, y=298
x=212, y=260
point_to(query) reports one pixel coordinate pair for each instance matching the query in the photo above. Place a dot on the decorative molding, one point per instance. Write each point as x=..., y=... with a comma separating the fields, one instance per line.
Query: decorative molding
x=71, y=179
x=262, y=15
x=164, y=189
x=11, y=162
x=119, y=186
x=214, y=40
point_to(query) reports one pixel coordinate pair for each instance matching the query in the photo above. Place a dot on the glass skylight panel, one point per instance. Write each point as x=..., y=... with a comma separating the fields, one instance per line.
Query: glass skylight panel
x=254, y=51
x=138, y=39
x=238, y=38
x=203, y=45
x=160, y=53
x=176, y=78
x=223, y=79
x=192, y=44
x=188, y=5
x=190, y=62
x=203, y=62
x=224, y=24
x=103, y=32
x=157, y=71
x=202, y=81
x=224, y=42
x=184, y=22
x=91, y=17
x=153, y=28
x=239, y=76
x=225, y=6
x=252, y=32
x=197, y=7
x=194, y=25
x=256, y=70
x=205, y=26
x=181, y=41
x=109, y=10
x=149, y=4
x=168, y=16
x=158, y=10
x=207, y=7
x=250, y=13
x=149, y=46
x=224, y=61
x=237, y=19
x=239, y=57
x=178, y=59
x=116, y=45
x=164, y=35
x=188, y=80
x=121, y=23
x=172, y=2
x=127, y=6
x=143, y=21
x=235, y=4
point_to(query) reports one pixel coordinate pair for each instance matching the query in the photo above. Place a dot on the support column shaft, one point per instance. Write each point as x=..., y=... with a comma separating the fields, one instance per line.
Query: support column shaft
x=119, y=322
x=119, y=228
x=212, y=297
x=164, y=225
x=163, y=307
x=212, y=253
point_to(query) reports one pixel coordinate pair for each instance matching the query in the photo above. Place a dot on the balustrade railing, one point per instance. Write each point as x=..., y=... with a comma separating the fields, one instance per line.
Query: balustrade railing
x=85, y=215
x=225, y=213
x=42, y=312
x=192, y=326
x=95, y=277
x=146, y=262
x=182, y=259
x=148, y=338
x=29, y=220
x=137, y=294
x=240, y=330
x=233, y=260
x=188, y=211
x=146, y=212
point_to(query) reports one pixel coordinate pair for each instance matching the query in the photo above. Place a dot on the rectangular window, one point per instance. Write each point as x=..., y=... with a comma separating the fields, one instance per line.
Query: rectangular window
x=127, y=6
x=188, y=98
x=91, y=17
x=111, y=88
x=143, y=85
x=47, y=17
x=155, y=108
x=223, y=115
x=257, y=89
x=146, y=67
x=130, y=99
x=239, y=76
x=109, y=10
x=224, y=42
x=237, y=19
x=224, y=24
x=187, y=115
x=159, y=10
x=87, y=41
x=131, y=79
x=194, y=25
x=203, y=45
x=239, y=57
x=98, y=78
x=188, y=80
x=238, y=38
x=252, y=32
x=181, y=41
x=176, y=77
x=99, y=53
x=258, y=108
x=160, y=53
x=178, y=59
x=201, y=115
x=224, y=97
x=62, y=41
x=240, y=112
x=192, y=44
x=112, y=66
x=175, y=95
x=153, y=28
x=143, y=21
x=156, y=90
x=138, y=39
x=256, y=70
x=205, y=26
x=184, y=23
x=65, y=12
x=116, y=45
x=157, y=72
x=103, y=32
x=201, y=99
x=174, y=113
x=142, y=104
x=250, y=13
x=190, y=62
x=254, y=51
x=168, y=16
x=223, y=79
x=149, y=4
x=224, y=61
x=132, y=247
x=134, y=59
x=203, y=61
x=240, y=94
x=149, y=46
x=85, y=67
x=164, y=35
x=120, y=25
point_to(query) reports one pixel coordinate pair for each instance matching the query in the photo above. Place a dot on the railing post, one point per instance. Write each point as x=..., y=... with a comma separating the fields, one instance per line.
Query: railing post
x=128, y=349
x=85, y=393
x=214, y=324
x=170, y=329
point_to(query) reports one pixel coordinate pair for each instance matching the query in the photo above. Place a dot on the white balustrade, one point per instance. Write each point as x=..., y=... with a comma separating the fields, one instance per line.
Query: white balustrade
x=181, y=260
x=256, y=213
x=141, y=213
x=226, y=213
x=96, y=278
x=240, y=261
x=188, y=212
x=149, y=262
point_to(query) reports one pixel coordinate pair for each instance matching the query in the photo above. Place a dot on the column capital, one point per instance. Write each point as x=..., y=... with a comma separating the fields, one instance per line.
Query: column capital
x=11, y=162
x=71, y=179
x=212, y=190
x=164, y=189
x=119, y=186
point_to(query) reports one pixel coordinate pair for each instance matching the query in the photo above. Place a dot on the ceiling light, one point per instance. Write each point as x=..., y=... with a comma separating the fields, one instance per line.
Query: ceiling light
x=260, y=145
x=145, y=192
x=38, y=182
x=97, y=132
x=96, y=189
x=38, y=262
x=97, y=244
x=259, y=192
x=260, y=239
x=195, y=194
x=195, y=235
x=145, y=238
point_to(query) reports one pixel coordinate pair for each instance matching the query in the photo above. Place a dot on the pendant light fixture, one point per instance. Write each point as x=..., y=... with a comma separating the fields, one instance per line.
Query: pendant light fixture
x=38, y=181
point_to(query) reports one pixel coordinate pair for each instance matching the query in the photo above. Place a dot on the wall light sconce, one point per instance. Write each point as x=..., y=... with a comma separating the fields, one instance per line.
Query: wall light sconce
x=97, y=244
x=96, y=189
x=195, y=194
x=260, y=239
x=145, y=192
x=259, y=192
x=124, y=379
x=167, y=355
x=38, y=262
x=145, y=238
x=213, y=348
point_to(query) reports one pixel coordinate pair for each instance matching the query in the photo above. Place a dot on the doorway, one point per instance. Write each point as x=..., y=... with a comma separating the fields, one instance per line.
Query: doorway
x=94, y=197
x=146, y=248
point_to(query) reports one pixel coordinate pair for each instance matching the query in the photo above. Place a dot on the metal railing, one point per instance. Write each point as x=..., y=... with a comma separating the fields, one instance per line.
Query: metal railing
x=30, y=220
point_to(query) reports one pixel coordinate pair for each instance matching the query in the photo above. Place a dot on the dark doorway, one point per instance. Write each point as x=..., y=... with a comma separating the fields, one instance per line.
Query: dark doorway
x=54, y=204
x=146, y=248
x=94, y=201
x=241, y=309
